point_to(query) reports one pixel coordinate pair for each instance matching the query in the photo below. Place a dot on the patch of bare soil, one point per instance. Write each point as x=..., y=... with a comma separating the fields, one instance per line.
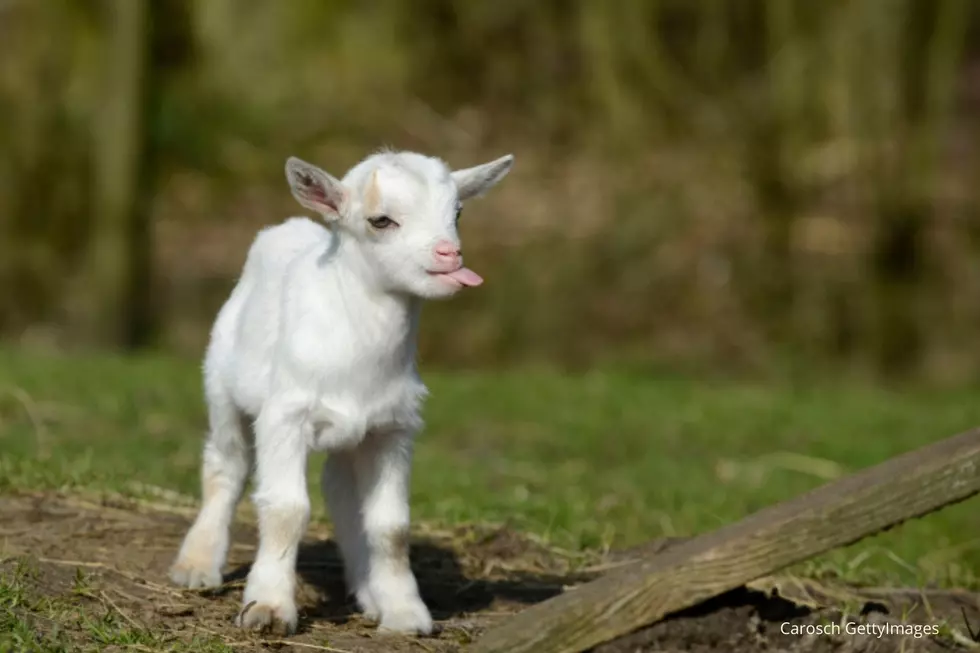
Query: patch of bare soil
x=118, y=551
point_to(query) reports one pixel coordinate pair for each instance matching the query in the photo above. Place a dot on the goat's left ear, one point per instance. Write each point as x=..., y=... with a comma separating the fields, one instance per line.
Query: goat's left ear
x=315, y=189
x=471, y=182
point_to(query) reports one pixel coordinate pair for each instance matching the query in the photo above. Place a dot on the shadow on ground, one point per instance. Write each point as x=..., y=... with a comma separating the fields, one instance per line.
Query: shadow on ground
x=446, y=587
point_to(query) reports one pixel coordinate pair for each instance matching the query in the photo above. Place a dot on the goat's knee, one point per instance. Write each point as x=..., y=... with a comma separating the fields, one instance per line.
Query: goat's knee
x=282, y=524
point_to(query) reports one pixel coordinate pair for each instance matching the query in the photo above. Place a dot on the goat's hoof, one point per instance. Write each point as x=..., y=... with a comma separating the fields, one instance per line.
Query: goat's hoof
x=409, y=618
x=278, y=619
x=369, y=609
x=193, y=577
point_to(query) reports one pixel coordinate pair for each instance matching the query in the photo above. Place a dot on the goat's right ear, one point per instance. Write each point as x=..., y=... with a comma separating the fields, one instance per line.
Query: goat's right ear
x=315, y=189
x=472, y=182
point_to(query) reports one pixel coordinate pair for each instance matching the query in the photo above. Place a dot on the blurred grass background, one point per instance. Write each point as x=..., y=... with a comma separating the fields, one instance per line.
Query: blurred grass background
x=737, y=255
x=746, y=186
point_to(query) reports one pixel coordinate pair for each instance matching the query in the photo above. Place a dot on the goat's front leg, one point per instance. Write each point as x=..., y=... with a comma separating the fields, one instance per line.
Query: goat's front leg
x=283, y=508
x=382, y=466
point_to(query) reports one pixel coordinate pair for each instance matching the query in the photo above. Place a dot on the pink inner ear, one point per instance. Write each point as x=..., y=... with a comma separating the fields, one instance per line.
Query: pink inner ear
x=318, y=193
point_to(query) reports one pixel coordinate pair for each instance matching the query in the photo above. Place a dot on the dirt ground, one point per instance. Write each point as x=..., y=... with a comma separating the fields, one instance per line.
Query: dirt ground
x=471, y=578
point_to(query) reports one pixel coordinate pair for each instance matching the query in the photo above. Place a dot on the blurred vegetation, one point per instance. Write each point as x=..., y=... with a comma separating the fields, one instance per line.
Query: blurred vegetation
x=711, y=182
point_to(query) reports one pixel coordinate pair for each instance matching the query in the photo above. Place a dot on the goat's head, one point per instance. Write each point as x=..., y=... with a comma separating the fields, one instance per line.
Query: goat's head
x=402, y=209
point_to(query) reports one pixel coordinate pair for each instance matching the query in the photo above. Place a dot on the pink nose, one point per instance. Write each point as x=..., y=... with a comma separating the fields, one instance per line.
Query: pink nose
x=446, y=252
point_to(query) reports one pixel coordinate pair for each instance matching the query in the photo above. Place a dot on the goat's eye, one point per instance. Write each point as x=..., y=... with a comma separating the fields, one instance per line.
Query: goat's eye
x=382, y=222
x=459, y=212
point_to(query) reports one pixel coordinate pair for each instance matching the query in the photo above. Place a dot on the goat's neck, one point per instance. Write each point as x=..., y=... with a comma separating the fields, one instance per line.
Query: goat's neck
x=378, y=307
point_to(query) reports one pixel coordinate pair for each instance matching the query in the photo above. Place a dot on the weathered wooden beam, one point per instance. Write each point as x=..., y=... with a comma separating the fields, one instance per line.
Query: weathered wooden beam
x=836, y=514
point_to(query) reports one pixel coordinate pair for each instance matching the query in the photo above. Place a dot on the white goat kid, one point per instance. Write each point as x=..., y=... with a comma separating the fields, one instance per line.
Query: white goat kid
x=316, y=344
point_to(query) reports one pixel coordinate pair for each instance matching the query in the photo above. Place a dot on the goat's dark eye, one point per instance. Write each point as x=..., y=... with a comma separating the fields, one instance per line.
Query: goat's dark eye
x=382, y=222
x=459, y=212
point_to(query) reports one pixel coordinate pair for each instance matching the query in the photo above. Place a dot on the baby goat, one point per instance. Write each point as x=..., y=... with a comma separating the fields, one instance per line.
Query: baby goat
x=316, y=348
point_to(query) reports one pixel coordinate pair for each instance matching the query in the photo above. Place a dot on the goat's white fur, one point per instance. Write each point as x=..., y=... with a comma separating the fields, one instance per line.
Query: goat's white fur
x=316, y=348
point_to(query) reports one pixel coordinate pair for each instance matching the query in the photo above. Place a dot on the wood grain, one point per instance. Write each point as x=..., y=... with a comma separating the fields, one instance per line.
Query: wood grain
x=834, y=515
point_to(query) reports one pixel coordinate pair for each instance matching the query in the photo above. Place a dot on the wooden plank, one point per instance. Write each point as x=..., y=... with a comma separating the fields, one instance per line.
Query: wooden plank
x=836, y=514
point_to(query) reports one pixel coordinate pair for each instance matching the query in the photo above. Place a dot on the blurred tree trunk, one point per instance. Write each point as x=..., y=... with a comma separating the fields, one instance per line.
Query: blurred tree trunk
x=148, y=42
x=776, y=139
x=119, y=244
x=907, y=199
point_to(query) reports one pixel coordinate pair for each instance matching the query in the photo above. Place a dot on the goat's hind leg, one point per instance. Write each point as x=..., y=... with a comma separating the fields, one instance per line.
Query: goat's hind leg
x=342, y=496
x=224, y=471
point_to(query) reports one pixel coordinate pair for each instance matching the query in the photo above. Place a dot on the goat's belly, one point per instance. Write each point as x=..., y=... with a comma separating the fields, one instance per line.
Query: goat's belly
x=342, y=423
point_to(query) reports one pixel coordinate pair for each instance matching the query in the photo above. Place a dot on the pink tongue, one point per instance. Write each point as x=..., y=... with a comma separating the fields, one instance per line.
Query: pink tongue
x=465, y=276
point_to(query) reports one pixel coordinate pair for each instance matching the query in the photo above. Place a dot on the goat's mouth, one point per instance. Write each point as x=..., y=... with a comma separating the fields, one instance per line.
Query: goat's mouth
x=459, y=277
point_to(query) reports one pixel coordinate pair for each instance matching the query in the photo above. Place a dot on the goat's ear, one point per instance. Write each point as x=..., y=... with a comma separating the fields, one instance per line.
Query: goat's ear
x=315, y=189
x=471, y=182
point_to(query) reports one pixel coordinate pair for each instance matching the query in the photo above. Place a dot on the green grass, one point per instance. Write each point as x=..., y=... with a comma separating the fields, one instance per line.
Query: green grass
x=604, y=459
x=33, y=623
